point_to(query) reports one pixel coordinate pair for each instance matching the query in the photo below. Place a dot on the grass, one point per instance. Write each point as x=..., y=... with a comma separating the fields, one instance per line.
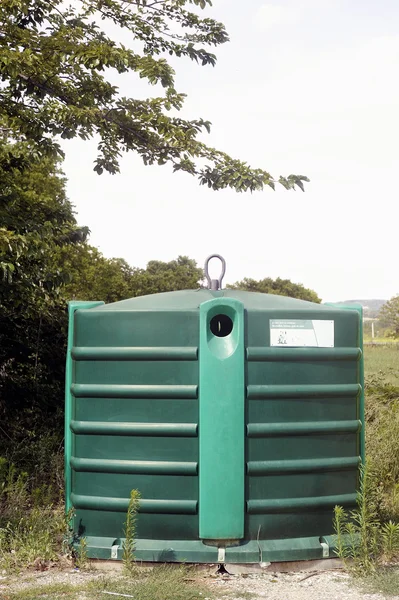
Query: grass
x=166, y=582
x=244, y=595
x=386, y=582
x=49, y=591
x=382, y=429
x=363, y=542
x=31, y=528
x=386, y=341
x=382, y=360
x=373, y=529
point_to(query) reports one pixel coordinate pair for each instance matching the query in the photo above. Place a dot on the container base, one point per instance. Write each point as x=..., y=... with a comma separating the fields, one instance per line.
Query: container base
x=195, y=551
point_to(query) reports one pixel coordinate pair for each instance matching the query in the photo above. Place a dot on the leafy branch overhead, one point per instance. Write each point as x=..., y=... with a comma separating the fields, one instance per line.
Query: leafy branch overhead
x=56, y=64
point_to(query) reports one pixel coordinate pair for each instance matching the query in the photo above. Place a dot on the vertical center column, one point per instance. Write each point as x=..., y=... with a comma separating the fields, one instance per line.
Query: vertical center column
x=221, y=420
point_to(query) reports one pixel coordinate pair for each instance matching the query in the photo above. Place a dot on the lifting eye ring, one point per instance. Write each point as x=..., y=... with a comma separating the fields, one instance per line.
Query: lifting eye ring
x=215, y=284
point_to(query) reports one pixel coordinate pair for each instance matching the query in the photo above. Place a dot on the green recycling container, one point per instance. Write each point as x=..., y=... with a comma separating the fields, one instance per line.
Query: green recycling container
x=238, y=417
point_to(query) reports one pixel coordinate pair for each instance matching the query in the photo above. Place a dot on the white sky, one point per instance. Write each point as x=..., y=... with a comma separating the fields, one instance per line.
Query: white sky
x=307, y=87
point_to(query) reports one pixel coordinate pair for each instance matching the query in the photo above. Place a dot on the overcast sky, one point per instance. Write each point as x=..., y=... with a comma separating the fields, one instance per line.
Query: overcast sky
x=308, y=87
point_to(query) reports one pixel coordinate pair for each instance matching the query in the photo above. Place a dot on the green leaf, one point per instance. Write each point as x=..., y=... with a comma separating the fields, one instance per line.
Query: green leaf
x=59, y=70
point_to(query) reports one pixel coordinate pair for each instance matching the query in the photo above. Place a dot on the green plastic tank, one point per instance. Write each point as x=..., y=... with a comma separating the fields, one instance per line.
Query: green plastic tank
x=238, y=416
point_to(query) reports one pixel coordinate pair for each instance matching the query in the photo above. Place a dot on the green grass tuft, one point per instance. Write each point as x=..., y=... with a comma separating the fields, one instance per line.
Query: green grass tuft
x=163, y=582
x=385, y=581
x=50, y=591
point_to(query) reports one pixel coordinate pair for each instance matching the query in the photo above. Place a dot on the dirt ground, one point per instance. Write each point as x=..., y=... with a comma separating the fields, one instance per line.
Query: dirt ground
x=323, y=585
x=332, y=584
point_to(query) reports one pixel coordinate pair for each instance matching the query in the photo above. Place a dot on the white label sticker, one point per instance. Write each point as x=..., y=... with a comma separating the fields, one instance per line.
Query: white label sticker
x=300, y=332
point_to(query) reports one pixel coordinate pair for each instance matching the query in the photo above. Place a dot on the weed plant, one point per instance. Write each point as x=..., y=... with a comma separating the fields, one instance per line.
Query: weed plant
x=130, y=532
x=362, y=541
x=31, y=528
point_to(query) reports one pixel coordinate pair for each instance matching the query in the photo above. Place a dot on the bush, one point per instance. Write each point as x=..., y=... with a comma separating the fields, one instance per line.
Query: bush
x=368, y=537
x=361, y=537
x=382, y=446
x=31, y=529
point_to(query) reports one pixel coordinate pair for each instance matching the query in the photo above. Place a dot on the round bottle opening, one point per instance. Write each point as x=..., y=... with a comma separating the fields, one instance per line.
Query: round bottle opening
x=221, y=325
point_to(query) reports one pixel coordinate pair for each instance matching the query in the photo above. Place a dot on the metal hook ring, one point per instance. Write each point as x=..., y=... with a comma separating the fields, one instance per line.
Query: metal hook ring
x=215, y=284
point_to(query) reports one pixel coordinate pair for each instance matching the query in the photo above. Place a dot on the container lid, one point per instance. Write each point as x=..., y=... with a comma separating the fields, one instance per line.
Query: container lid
x=192, y=299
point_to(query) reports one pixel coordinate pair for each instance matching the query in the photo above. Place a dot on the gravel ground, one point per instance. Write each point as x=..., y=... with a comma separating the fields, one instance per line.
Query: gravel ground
x=299, y=585
x=325, y=585
x=52, y=576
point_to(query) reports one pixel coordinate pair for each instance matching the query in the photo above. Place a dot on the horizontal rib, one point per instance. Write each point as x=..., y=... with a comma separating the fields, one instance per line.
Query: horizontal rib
x=139, y=467
x=260, y=392
x=282, y=505
x=266, y=467
x=137, y=429
x=135, y=353
x=267, y=354
x=155, y=392
x=177, y=507
x=264, y=430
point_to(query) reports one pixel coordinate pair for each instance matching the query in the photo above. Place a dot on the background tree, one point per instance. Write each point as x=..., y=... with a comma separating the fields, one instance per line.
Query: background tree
x=36, y=220
x=180, y=274
x=94, y=277
x=281, y=287
x=389, y=315
x=56, y=63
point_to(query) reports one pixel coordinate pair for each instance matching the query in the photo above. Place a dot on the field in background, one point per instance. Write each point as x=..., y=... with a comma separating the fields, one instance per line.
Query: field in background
x=382, y=360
